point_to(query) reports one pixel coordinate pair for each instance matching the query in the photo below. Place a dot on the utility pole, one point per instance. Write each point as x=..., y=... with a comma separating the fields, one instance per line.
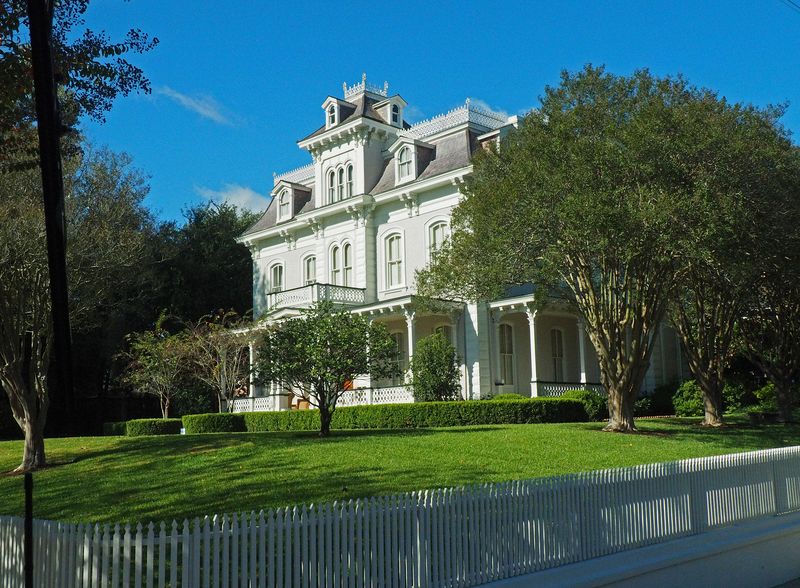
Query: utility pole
x=40, y=17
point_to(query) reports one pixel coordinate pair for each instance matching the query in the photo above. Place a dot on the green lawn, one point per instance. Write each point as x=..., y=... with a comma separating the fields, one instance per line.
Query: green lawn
x=118, y=479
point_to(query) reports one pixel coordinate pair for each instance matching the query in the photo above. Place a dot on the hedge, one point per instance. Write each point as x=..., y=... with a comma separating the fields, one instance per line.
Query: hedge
x=139, y=427
x=397, y=416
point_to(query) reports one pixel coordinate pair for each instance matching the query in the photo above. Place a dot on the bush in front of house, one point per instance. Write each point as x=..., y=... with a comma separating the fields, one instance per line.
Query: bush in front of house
x=688, y=399
x=140, y=427
x=595, y=403
x=398, y=416
x=115, y=428
x=507, y=396
x=434, y=370
x=214, y=422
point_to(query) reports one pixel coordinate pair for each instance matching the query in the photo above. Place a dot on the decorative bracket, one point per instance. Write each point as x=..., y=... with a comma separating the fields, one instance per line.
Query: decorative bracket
x=411, y=202
x=316, y=226
x=291, y=241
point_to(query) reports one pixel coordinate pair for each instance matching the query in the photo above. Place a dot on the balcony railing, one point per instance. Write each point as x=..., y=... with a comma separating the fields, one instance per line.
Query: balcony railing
x=307, y=295
x=558, y=388
x=390, y=395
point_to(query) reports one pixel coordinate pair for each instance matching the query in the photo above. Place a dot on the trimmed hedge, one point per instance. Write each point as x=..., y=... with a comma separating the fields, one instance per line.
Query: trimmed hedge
x=140, y=427
x=115, y=428
x=397, y=416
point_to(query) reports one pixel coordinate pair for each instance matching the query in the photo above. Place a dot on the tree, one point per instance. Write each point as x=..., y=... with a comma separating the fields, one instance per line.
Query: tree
x=434, y=370
x=581, y=200
x=92, y=70
x=735, y=161
x=219, y=352
x=318, y=355
x=157, y=361
x=205, y=269
x=105, y=216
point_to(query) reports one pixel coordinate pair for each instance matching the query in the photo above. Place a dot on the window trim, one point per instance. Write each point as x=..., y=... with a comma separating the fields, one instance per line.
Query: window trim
x=428, y=234
x=503, y=355
x=347, y=270
x=284, y=194
x=411, y=164
x=270, y=273
x=331, y=115
x=304, y=268
x=401, y=359
x=334, y=264
x=553, y=356
x=349, y=179
x=384, y=259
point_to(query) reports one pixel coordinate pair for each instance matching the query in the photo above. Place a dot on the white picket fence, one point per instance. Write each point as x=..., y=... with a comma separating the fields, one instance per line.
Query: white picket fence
x=451, y=537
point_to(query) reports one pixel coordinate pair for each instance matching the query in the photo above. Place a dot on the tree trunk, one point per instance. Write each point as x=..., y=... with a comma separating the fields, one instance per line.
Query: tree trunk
x=33, y=456
x=783, y=395
x=712, y=404
x=620, y=412
x=324, y=420
x=164, y=407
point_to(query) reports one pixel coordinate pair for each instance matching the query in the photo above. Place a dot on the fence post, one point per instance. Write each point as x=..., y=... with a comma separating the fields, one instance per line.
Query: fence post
x=370, y=396
x=28, y=530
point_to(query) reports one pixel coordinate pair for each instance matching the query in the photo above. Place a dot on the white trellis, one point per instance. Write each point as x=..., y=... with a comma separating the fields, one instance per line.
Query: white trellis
x=451, y=537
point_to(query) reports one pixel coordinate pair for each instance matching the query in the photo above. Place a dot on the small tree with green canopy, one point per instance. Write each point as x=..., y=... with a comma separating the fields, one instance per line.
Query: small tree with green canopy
x=434, y=370
x=157, y=363
x=736, y=163
x=219, y=351
x=319, y=354
x=581, y=200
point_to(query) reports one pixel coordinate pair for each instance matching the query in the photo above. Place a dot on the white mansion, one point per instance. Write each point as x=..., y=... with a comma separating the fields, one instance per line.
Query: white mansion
x=353, y=226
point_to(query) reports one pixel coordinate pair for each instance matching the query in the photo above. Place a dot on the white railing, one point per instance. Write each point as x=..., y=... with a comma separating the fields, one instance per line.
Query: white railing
x=261, y=404
x=308, y=295
x=296, y=175
x=451, y=537
x=454, y=117
x=360, y=396
x=558, y=388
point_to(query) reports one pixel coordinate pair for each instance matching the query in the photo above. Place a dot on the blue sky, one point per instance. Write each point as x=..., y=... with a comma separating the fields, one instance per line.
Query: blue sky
x=236, y=83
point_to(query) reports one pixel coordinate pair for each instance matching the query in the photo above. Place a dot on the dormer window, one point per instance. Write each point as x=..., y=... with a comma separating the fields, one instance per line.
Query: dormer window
x=395, y=114
x=284, y=206
x=404, y=163
x=331, y=115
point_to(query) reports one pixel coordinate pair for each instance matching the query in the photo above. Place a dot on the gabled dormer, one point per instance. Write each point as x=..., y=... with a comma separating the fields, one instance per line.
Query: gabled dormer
x=289, y=199
x=410, y=158
x=391, y=110
x=336, y=111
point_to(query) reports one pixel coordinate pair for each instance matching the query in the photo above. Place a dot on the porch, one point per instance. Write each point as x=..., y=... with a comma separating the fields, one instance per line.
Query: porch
x=359, y=396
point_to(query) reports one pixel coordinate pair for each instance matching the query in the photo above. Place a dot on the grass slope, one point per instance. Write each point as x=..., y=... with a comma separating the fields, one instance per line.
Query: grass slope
x=118, y=479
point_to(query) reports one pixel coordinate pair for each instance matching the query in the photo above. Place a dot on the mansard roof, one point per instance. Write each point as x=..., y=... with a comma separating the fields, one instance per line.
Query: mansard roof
x=362, y=108
x=303, y=202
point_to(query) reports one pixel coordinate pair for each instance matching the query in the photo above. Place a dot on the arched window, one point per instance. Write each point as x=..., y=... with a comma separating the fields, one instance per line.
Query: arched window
x=331, y=115
x=331, y=187
x=276, y=278
x=347, y=265
x=340, y=186
x=336, y=267
x=310, y=270
x=400, y=360
x=506, y=344
x=404, y=162
x=437, y=233
x=284, y=206
x=557, y=349
x=394, y=261
x=395, y=113
x=349, y=181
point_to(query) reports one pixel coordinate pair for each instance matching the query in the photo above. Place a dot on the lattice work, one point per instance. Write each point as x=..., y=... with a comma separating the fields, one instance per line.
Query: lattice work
x=344, y=294
x=392, y=395
x=353, y=398
x=297, y=175
x=457, y=116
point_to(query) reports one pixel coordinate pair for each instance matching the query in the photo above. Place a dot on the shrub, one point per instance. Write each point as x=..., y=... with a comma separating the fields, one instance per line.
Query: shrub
x=688, y=400
x=139, y=427
x=596, y=404
x=507, y=396
x=434, y=370
x=115, y=428
x=734, y=397
x=214, y=423
x=643, y=406
x=398, y=416
x=766, y=397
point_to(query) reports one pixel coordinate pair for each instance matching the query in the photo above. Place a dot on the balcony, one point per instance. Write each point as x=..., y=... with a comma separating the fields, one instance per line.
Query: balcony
x=306, y=296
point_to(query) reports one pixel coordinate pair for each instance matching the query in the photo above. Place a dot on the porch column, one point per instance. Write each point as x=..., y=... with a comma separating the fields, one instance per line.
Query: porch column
x=531, y=313
x=411, y=331
x=582, y=350
x=497, y=371
x=252, y=386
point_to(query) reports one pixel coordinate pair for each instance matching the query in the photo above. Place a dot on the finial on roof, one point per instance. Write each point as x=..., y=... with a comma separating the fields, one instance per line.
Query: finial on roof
x=386, y=87
x=344, y=86
x=363, y=77
x=466, y=102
